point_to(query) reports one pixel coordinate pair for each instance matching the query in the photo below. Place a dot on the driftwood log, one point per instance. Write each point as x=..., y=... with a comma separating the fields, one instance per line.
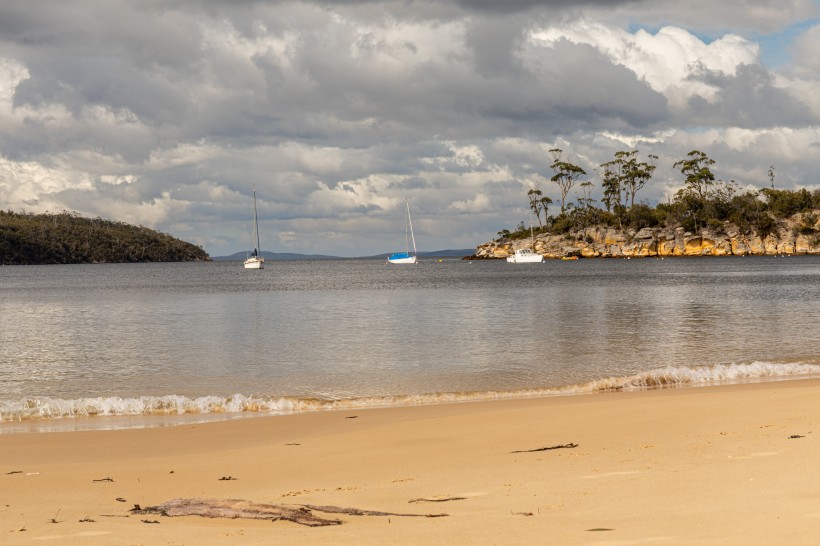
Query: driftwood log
x=237, y=508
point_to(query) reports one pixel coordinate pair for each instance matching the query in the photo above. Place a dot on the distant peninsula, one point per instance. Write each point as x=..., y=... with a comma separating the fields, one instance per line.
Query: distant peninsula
x=706, y=217
x=67, y=238
x=799, y=234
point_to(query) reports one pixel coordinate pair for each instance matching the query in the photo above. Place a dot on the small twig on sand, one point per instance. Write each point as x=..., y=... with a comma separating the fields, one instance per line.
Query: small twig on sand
x=441, y=499
x=563, y=446
x=104, y=480
x=795, y=436
x=359, y=512
x=14, y=472
x=226, y=478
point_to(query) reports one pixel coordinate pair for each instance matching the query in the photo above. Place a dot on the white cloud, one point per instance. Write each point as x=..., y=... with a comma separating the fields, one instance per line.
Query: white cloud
x=458, y=156
x=12, y=72
x=760, y=16
x=353, y=195
x=480, y=203
x=806, y=59
x=666, y=60
x=27, y=185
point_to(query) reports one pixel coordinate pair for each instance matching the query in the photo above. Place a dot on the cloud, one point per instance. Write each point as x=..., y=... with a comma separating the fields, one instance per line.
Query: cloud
x=806, y=60
x=666, y=60
x=167, y=115
x=714, y=18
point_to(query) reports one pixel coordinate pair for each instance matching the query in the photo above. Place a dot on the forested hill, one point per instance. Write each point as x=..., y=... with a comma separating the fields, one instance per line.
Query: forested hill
x=66, y=238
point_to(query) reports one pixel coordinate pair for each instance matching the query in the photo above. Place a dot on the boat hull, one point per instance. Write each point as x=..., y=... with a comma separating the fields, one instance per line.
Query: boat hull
x=255, y=263
x=525, y=257
x=402, y=260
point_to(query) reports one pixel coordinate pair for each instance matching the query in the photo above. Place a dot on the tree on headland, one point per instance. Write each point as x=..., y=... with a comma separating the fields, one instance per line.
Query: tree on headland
x=611, y=185
x=538, y=203
x=622, y=178
x=585, y=205
x=545, y=202
x=703, y=201
x=566, y=175
x=636, y=173
x=698, y=175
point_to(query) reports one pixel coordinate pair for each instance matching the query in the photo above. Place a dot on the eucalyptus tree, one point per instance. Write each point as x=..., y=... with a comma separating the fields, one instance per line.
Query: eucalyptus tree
x=586, y=200
x=585, y=204
x=566, y=175
x=636, y=173
x=545, y=203
x=611, y=183
x=614, y=190
x=698, y=175
x=624, y=176
x=697, y=198
x=535, y=196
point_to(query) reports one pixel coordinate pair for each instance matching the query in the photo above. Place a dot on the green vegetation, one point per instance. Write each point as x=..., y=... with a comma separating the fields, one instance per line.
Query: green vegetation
x=703, y=202
x=67, y=238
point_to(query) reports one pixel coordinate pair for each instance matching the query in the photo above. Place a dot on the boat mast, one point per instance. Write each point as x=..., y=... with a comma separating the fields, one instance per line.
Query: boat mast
x=532, y=237
x=256, y=223
x=410, y=223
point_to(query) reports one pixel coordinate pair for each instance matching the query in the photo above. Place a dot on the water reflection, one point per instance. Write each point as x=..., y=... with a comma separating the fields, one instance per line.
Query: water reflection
x=357, y=328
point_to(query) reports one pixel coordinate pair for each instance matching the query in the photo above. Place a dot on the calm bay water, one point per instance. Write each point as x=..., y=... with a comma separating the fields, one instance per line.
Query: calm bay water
x=301, y=335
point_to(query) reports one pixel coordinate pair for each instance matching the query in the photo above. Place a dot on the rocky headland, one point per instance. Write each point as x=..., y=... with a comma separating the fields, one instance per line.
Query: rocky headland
x=792, y=236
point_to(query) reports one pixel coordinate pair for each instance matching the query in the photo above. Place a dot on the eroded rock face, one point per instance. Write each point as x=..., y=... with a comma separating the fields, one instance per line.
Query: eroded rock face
x=729, y=240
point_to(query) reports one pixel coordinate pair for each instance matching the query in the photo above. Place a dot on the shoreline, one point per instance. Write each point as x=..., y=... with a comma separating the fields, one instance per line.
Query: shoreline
x=723, y=464
x=45, y=414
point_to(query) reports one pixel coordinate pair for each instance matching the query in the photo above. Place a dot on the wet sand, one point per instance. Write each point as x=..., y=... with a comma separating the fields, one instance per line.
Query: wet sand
x=713, y=465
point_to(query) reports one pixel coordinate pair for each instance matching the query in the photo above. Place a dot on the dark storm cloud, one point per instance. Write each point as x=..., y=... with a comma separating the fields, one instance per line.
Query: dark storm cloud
x=494, y=7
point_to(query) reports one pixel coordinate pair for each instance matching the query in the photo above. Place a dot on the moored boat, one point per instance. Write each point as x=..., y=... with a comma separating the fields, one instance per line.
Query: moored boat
x=255, y=259
x=405, y=257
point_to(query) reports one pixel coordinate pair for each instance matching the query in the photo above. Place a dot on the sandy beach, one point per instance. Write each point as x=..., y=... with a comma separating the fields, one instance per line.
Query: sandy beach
x=712, y=465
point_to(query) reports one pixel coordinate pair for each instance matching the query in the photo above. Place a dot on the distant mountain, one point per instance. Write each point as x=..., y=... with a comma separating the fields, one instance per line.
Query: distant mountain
x=458, y=253
x=449, y=253
x=239, y=256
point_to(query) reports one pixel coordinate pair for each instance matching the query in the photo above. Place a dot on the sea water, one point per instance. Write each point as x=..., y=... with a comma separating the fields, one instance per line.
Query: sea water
x=176, y=341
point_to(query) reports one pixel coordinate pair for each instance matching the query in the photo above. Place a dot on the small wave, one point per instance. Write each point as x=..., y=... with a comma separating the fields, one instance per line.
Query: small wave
x=28, y=409
x=678, y=376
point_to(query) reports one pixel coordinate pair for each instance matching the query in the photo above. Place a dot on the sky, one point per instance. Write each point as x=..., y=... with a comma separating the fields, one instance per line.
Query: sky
x=166, y=114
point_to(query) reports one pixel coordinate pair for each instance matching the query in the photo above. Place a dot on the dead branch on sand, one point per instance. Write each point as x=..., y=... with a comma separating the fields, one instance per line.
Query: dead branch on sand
x=237, y=508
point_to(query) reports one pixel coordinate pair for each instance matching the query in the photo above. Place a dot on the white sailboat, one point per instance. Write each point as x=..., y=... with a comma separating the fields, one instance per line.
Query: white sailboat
x=405, y=257
x=526, y=255
x=255, y=259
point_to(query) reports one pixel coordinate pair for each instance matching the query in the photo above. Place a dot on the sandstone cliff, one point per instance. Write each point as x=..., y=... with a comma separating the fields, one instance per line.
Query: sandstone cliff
x=791, y=237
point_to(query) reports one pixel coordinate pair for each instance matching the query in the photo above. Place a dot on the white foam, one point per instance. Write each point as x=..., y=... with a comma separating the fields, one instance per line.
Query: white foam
x=673, y=376
x=29, y=409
